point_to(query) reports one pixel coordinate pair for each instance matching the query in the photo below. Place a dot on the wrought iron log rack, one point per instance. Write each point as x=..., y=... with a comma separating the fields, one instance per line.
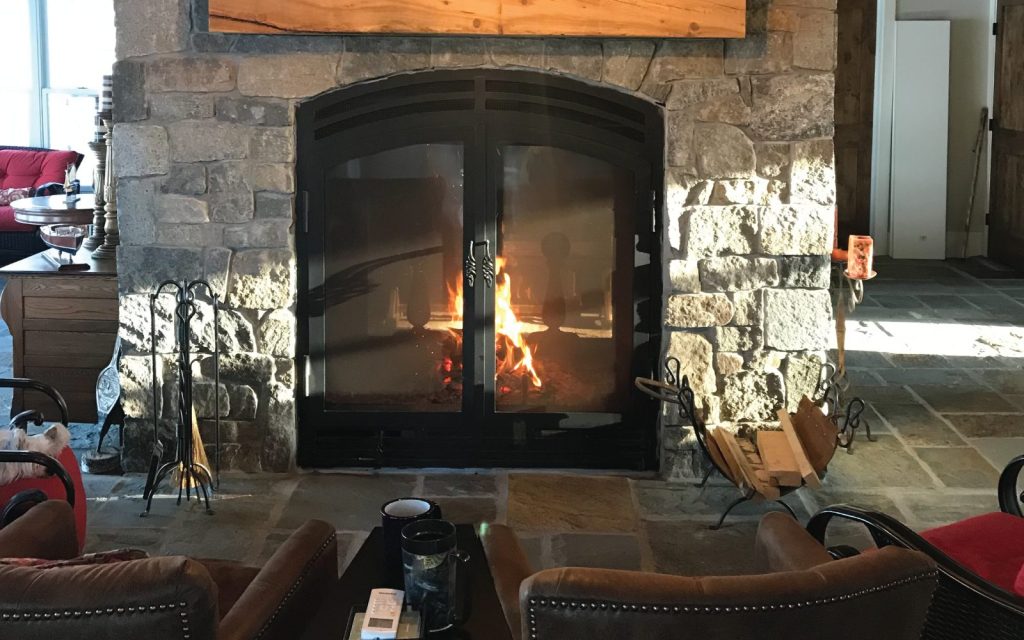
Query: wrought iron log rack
x=675, y=389
x=193, y=474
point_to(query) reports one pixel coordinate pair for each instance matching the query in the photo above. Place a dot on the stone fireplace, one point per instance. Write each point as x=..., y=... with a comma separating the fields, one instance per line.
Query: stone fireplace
x=206, y=153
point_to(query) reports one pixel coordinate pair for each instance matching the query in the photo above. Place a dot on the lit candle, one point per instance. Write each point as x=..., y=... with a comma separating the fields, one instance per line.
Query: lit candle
x=861, y=257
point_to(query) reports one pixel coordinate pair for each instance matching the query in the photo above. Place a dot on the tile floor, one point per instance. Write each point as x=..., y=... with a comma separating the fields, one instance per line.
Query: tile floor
x=936, y=351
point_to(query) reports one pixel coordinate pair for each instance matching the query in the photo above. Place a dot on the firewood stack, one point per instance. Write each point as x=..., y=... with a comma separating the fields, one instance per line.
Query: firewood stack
x=778, y=461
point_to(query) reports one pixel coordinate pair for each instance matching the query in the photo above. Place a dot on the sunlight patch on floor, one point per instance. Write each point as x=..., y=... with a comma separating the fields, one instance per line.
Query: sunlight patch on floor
x=935, y=338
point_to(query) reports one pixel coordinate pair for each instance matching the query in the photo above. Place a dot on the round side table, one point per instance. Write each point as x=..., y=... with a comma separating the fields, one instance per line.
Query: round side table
x=53, y=210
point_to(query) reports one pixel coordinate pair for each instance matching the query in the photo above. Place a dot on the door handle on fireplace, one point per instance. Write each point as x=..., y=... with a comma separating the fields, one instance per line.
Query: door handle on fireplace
x=486, y=265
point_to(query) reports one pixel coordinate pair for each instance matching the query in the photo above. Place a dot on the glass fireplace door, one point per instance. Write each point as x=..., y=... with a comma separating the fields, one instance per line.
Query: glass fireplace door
x=393, y=314
x=540, y=187
x=563, y=303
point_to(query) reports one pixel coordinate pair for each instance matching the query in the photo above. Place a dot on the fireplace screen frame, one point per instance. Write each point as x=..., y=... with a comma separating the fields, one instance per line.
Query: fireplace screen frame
x=483, y=109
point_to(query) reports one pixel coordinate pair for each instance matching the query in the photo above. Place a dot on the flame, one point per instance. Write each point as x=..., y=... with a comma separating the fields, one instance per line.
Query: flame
x=513, y=353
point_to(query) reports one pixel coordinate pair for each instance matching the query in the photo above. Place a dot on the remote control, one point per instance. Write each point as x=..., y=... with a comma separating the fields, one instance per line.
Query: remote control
x=382, y=614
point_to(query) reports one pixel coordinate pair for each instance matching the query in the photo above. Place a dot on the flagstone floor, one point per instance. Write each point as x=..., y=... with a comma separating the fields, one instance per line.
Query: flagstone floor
x=936, y=349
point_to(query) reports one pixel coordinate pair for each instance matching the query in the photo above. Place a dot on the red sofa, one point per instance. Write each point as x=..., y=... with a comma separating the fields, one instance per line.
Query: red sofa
x=22, y=167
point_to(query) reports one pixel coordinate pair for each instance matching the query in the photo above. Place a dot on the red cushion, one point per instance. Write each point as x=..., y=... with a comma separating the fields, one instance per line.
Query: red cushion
x=8, y=223
x=32, y=168
x=53, y=488
x=992, y=546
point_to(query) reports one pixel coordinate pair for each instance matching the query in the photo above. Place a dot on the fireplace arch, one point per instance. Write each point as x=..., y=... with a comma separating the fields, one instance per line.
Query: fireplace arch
x=479, y=274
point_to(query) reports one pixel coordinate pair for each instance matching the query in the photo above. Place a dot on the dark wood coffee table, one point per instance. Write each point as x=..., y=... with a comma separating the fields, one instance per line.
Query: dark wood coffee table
x=367, y=571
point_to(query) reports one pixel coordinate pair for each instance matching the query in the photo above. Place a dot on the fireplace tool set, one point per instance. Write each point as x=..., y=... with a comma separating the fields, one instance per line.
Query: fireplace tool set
x=189, y=461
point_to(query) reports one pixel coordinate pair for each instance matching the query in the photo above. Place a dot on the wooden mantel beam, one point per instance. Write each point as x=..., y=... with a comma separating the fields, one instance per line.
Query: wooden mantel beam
x=580, y=18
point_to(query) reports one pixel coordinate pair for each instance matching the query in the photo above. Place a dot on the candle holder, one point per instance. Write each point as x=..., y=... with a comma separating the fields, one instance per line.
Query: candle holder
x=98, y=146
x=111, y=235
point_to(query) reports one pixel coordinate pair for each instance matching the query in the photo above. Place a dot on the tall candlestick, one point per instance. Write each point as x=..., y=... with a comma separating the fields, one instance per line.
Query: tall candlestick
x=111, y=236
x=99, y=149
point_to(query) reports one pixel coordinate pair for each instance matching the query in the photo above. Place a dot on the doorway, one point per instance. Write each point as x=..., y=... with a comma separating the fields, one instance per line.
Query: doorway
x=854, y=108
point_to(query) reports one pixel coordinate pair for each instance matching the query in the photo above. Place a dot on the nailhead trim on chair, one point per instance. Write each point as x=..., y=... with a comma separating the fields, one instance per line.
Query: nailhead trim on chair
x=108, y=611
x=298, y=581
x=557, y=603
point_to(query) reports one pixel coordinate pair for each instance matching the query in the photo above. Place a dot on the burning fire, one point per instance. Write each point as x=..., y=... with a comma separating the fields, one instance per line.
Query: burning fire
x=513, y=352
x=511, y=349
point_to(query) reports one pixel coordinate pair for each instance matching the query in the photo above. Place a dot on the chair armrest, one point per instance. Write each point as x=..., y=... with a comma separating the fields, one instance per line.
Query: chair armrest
x=783, y=545
x=51, y=464
x=46, y=531
x=1009, y=499
x=288, y=590
x=888, y=531
x=41, y=387
x=509, y=567
x=157, y=599
x=879, y=595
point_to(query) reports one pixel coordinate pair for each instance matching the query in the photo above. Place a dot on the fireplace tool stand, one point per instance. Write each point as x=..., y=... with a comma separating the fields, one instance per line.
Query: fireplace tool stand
x=676, y=390
x=192, y=473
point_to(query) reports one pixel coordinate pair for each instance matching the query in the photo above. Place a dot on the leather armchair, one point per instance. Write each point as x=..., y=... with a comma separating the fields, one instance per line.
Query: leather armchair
x=806, y=596
x=158, y=598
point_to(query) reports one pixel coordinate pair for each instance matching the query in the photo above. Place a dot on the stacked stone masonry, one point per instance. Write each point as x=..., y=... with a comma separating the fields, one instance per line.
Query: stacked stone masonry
x=205, y=148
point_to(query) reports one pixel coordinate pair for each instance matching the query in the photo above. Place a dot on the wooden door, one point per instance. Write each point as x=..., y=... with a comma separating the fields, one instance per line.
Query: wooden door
x=1006, y=232
x=855, y=95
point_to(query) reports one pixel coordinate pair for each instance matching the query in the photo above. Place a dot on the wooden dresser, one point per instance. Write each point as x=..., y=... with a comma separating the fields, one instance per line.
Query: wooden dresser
x=64, y=324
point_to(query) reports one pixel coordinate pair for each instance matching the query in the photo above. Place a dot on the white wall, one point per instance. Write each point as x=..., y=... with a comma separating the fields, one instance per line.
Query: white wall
x=920, y=117
x=971, y=70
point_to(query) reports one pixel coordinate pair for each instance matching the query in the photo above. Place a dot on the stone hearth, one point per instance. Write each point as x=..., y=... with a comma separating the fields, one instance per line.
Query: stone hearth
x=205, y=152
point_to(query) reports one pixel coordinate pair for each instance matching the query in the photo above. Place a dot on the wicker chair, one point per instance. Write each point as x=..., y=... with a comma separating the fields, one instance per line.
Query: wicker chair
x=965, y=605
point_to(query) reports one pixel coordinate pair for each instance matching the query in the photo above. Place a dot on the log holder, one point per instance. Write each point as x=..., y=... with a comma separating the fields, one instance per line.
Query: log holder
x=675, y=389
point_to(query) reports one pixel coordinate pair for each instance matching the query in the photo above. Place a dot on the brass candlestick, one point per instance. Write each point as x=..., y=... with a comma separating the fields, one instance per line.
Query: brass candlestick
x=99, y=148
x=111, y=236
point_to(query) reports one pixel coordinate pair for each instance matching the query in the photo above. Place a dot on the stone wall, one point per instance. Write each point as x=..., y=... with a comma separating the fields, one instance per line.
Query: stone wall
x=204, y=144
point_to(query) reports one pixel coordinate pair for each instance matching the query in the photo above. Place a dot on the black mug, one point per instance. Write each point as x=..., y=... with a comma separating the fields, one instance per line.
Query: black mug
x=394, y=515
x=436, y=574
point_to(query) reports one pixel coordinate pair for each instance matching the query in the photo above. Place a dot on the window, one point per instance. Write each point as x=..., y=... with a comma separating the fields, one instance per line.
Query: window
x=17, y=96
x=56, y=61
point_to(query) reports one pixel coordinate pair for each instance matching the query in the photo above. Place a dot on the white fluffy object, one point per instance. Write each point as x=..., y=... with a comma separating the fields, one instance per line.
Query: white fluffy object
x=51, y=442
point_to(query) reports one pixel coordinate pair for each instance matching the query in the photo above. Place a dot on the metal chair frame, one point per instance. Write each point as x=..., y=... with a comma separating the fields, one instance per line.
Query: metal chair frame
x=21, y=421
x=964, y=601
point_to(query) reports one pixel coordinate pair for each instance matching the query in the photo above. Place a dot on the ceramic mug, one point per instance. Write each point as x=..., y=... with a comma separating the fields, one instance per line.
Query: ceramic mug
x=395, y=515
